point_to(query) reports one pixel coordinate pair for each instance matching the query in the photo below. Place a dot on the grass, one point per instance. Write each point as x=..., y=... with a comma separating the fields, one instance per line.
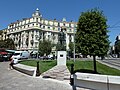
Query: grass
x=87, y=67
x=43, y=65
x=79, y=66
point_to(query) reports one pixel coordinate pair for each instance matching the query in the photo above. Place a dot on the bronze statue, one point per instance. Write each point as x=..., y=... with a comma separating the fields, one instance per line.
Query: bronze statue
x=61, y=37
x=62, y=40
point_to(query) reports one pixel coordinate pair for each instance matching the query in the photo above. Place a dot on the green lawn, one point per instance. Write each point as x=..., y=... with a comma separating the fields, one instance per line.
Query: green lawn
x=87, y=66
x=80, y=66
x=44, y=65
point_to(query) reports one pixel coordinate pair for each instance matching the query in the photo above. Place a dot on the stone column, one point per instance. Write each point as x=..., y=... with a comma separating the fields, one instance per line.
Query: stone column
x=24, y=40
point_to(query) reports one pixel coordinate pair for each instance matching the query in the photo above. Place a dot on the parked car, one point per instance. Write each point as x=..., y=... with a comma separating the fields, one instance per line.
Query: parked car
x=46, y=57
x=21, y=55
x=51, y=56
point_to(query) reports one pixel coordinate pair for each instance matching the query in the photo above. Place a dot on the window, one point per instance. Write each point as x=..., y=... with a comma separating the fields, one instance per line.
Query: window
x=70, y=38
x=36, y=19
x=58, y=29
x=14, y=38
x=58, y=24
x=48, y=36
x=48, y=27
x=40, y=25
x=36, y=37
x=44, y=27
x=36, y=44
x=53, y=36
x=69, y=24
x=53, y=28
x=32, y=35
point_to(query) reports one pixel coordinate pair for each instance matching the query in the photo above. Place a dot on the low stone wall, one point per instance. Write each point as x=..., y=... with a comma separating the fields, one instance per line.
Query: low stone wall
x=96, y=81
x=29, y=70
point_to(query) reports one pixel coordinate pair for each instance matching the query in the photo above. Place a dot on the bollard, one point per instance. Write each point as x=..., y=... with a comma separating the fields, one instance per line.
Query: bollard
x=71, y=76
x=37, y=71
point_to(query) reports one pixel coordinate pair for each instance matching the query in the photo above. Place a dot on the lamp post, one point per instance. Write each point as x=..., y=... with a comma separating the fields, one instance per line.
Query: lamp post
x=74, y=42
x=72, y=77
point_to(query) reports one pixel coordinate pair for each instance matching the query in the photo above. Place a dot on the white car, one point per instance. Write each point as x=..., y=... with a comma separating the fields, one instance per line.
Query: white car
x=21, y=55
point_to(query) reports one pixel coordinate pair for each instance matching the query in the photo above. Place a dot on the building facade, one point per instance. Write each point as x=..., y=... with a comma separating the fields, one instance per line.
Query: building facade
x=27, y=32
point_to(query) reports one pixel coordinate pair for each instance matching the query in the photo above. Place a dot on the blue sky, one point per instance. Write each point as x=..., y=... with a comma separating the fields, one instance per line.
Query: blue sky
x=13, y=10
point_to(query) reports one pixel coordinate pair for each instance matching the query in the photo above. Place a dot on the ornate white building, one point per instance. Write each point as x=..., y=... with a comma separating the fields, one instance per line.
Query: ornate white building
x=27, y=32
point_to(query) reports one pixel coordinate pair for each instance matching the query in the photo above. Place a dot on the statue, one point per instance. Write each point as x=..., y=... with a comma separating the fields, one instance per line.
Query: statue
x=61, y=48
x=61, y=40
x=61, y=37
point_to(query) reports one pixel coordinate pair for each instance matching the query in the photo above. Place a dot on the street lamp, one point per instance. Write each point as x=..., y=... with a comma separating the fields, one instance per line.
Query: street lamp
x=74, y=42
x=72, y=77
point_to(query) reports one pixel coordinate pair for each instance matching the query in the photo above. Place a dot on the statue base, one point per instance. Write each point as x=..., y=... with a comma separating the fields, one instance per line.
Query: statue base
x=61, y=57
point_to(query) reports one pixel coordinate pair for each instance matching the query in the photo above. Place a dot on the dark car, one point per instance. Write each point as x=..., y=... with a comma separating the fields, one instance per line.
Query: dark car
x=46, y=58
x=4, y=57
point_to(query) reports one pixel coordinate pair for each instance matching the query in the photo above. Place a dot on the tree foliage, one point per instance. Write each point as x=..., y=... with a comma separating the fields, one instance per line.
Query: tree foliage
x=91, y=36
x=117, y=48
x=1, y=32
x=45, y=47
x=60, y=47
x=71, y=46
x=71, y=49
x=7, y=43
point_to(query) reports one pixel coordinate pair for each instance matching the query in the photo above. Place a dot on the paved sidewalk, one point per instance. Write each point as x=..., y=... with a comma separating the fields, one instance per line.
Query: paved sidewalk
x=14, y=80
x=58, y=72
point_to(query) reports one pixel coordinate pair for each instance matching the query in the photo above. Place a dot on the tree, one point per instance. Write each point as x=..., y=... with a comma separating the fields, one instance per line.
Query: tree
x=1, y=34
x=7, y=43
x=91, y=36
x=117, y=48
x=71, y=48
x=2, y=44
x=45, y=47
x=60, y=47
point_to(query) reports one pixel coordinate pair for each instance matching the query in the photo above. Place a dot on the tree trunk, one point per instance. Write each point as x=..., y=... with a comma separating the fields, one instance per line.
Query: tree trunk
x=102, y=57
x=94, y=60
x=118, y=55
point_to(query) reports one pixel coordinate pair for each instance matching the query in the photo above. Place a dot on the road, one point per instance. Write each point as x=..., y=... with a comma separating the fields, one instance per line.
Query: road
x=115, y=63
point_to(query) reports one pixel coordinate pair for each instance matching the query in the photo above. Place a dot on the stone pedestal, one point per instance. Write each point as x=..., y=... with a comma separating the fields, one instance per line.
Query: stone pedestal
x=61, y=58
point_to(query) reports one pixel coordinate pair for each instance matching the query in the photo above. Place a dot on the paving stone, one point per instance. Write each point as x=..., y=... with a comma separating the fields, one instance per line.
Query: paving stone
x=58, y=72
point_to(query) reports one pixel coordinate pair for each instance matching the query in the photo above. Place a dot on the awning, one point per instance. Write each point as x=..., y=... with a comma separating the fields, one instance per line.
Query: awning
x=12, y=51
x=3, y=52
